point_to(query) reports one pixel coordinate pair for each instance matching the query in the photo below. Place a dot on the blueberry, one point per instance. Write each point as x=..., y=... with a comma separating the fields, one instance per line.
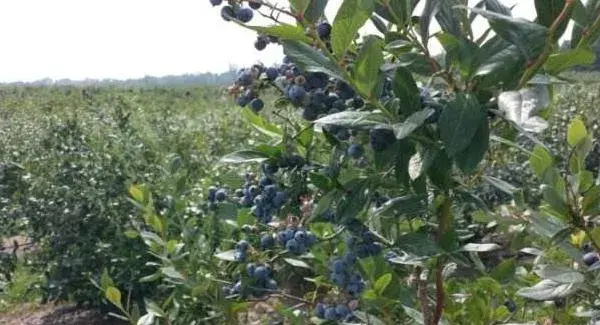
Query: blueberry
x=324, y=30
x=261, y=273
x=310, y=238
x=242, y=245
x=212, y=193
x=353, y=289
x=254, y=190
x=296, y=94
x=358, y=102
x=272, y=73
x=330, y=313
x=300, y=236
x=279, y=199
x=320, y=311
x=221, y=195
x=257, y=105
x=244, y=14
x=292, y=245
x=266, y=241
x=342, y=310
x=310, y=112
x=374, y=248
x=381, y=137
x=339, y=266
x=239, y=256
x=227, y=13
x=339, y=104
x=345, y=92
x=246, y=201
x=316, y=80
x=250, y=268
x=590, y=258
x=236, y=288
x=216, y=2
x=261, y=43
x=355, y=151
x=271, y=284
x=265, y=181
x=269, y=192
x=287, y=60
x=510, y=305
x=343, y=134
x=350, y=258
x=255, y=4
x=245, y=78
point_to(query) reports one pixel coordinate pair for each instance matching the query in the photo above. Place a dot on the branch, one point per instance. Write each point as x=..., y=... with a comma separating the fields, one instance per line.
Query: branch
x=440, y=294
x=588, y=32
x=541, y=59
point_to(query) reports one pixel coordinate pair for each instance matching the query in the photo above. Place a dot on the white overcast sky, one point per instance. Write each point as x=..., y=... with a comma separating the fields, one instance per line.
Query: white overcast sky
x=81, y=39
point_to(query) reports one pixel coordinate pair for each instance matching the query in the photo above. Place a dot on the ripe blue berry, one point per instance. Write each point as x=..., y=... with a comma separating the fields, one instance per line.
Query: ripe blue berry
x=271, y=284
x=342, y=311
x=255, y=4
x=242, y=246
x=212, y=193
x=339, y=266
x=296, y=94
x=590, y=258
x=381, y=137
x=272, y=73
x=320, y=311
x=261, y=43
x=267, y=241
x=358, y=102
x=510, y=305
x=330, y=313
x=250, y=268
x=355, y=151
x=300, y=236
x=221, y=195
x=245, y=78
x=239, y=256
x=292, y=246
x=216, y=2
x=324, y=30
x=244, y=15
x=261, y=272
x=338, y=279
x=257, y=105
x=227, y=13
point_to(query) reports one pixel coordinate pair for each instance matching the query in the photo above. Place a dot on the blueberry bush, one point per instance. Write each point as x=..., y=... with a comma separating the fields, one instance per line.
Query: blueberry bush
x=360, y=201
x=364, y=180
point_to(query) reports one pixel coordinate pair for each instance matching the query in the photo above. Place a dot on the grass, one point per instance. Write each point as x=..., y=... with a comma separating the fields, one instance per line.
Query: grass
x=24, y=289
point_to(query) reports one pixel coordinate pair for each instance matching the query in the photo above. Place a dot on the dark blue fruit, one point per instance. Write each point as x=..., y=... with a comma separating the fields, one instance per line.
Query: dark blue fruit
x=212, y=193
x=296, y=94
x=355, y=150
x=242, y=245
x=381, y=137
x=242, y=101
x=227, y=13
x=216, y=2
x=261, y=272
x=272, y=73
x=261, y=43
x=221, y=195
x=358, y=102
x=342, y=311
x=255, y=5
x=590, y=258
x=245, y=79
x=324, y=30
x=510, y=305
x=244, y=14
x=320, y=311
x=330, y=313
x=257, y=105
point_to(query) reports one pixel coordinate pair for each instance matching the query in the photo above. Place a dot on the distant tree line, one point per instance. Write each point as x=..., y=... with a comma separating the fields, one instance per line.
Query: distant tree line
x=147, y=81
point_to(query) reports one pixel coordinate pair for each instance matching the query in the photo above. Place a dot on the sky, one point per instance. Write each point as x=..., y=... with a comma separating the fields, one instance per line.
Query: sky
x=120, y=39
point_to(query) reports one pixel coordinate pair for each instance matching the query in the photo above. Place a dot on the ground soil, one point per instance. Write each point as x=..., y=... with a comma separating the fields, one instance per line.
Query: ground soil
x=56, y=315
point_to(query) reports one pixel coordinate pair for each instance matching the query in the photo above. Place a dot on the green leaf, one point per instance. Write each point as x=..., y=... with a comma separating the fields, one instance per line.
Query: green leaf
x=416, y=315
x=137, y=193
x=528, y=37
x=151, y=238
x=297, y=263
x=415, y=62
x=449, y=17
x=405, y=88
x=147, y=319
x=315, y=10
x=505, y=270
x=351, y=16
x=562, y=61
x=560, y=274
x=419, y=244
x=468, y=159
x=305, y=137
x=310, y=60
x=576, y=132
x=501, y=185
x=352, y=119
x=298, y=6
x=366, y=67
x=227, y=255
x=131, y=233
x=429, y=11
x=591, y=201
x=413, y=122
x=154, y=308
x=150, y=278
x=114, y=296
x=171, y=272
x=540, y=160
x=459, y=122
x=382, y=283
x=105, y=280
x=548, y=11
x=262, y=125
x=410, y=205
x=552, y=197
x=283, y=31
x=243, y=156
x=498, y=62
x=367, y=318
x=473, y=247
x=548, y=290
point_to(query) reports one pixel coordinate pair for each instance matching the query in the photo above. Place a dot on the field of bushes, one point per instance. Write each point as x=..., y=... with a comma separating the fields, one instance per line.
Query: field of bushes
x=81, y=167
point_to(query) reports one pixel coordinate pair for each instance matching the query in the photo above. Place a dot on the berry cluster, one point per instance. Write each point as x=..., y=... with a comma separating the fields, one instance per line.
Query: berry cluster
x=238, y=12
x=246, y=87
x=241, y=248
x=260, y=280
x=364, y=245
x=296, y=241
x=339, y=312
x=263, y=197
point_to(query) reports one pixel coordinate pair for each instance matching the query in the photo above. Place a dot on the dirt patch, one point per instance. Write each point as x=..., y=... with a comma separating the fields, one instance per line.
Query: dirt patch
x=56, y=315
x=17, y=244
